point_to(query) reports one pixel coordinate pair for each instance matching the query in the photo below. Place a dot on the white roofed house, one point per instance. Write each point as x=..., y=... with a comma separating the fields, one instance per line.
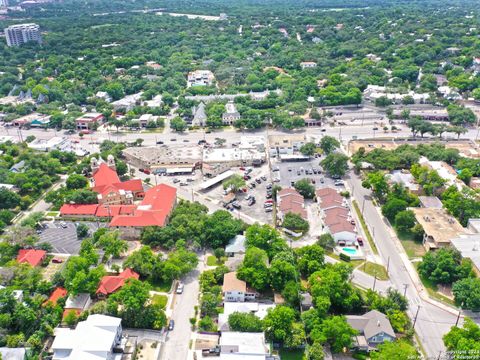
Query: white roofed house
x=97, y=338
x=308, y=65
x=258, y=309
x=236, y=246
x=243, y=345
x=200, y=78
x=231, y=115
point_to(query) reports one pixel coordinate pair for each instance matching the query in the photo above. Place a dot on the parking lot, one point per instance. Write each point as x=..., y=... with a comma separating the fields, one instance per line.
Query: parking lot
x=64, y=239
x=293, y=171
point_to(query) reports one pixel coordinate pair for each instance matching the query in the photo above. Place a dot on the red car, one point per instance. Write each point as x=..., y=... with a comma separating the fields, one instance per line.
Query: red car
x=146, y=171
x=57, y=261
x=242, y=168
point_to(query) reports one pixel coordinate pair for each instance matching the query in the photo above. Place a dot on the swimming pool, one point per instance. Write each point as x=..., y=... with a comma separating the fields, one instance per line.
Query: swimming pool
x=351, y=251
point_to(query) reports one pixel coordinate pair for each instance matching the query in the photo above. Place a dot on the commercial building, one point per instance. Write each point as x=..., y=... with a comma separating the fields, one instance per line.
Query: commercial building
x=438, y=114
x=235, y=290
x=96, y=338
x=219, y=160
x=374, y=328
x=200, y=78
x=290, y=201
x=163, y=157
x=54, y=143
x=89, y=120
x=110, y=189
x=32, y=120
x=374, y=92
x=285, y=144
x=231, y=114
x=439, y=227
x=20, y=34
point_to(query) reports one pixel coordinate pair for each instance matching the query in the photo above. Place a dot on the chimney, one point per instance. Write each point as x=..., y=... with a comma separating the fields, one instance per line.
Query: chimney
x=378, y=323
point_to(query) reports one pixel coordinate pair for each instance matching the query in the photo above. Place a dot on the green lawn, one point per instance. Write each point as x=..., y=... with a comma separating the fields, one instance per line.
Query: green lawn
x=160, y=300
x=414, y=249
x=432, y=289
x=354, y=263
x=296, y=354
x=52, y=213
x=212, y=261
x=160, y=285
x=374, y=269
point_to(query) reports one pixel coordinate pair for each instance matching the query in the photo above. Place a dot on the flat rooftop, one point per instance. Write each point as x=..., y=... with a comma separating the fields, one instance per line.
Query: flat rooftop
x=438, y=224
x=165, y=154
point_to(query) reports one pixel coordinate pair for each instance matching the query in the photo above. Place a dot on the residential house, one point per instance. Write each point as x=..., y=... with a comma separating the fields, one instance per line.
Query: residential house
x=200, y=78
x=104, y=96
x=308, y=65
x=111, y=283
x=236, y=245
x=89, y=121
x=243, y=345
x=31, y=256
x=77, y=303
x=18, y=167
x=374, y=328
x=7, y=353
x=289, y=200
x=445, y=171
x=235, y=290
x=439, y=227
x=469, y=247
x=430, y=202
x=406, y=179
x=58, y=293
x=231, y=114
x=154, y=102
x=144, y=119
x=128, y=102
x=306, y=301
x=98, y=337
x=258, y=309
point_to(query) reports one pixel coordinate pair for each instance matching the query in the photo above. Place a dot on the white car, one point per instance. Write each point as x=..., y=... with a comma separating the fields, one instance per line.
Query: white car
x=180, y=287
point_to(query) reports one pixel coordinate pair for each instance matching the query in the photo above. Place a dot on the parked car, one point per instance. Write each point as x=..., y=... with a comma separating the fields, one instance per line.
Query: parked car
x=276, y=180
x=146, y=171
x=236, y=205
x=183, y=184
x=270, y=201
x=264, y=178
x=352, y=222
x=242, y=168
x=159, y=142
x=339, y=183
x=176, y=181
x=267, y=205
x=253, y=184
x=63, y=225
x=275, y=168
x=360, y=240
x=190, y=180
x=269, y=186
x=269, y=209
x=171, y=325
x=180, y=287
x=259, y=181
x=57, y=261
x=251, y=201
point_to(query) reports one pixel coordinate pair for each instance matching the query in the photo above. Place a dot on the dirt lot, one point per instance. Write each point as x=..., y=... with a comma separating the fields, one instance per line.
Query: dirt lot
x=466, y=148
x=146, y=349
x=52, y=267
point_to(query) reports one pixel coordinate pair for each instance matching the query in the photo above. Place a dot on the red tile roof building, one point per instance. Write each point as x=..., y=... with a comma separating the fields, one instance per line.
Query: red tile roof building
x=58, y=293
x=31, y=256
x=336, y=215
x=109, y=284
x=290, y=200
x=110, y=189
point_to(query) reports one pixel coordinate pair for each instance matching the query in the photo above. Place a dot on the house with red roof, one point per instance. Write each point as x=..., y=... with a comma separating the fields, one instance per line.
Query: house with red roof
x=290, y=200
x=111, y=283
x=58, y=293
x=31, y=256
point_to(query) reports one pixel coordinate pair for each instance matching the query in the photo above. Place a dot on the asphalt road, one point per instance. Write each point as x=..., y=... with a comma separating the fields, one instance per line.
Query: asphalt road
x=176, y=343
x=432, y=322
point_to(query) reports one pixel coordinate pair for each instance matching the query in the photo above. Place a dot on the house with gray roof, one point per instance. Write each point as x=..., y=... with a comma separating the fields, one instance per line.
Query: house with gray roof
x=236, y=246
x=199, y=115
x=373, y=328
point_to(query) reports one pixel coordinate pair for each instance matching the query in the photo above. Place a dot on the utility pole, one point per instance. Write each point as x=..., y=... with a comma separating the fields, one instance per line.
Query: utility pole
x=363, y=205
x=416, y=316
x=405, y=290
x=388, y=264
x=459, y=313
x=374, y=280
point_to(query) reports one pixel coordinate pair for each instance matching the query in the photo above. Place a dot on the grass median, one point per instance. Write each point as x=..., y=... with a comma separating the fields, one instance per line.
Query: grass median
x=365, y=228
